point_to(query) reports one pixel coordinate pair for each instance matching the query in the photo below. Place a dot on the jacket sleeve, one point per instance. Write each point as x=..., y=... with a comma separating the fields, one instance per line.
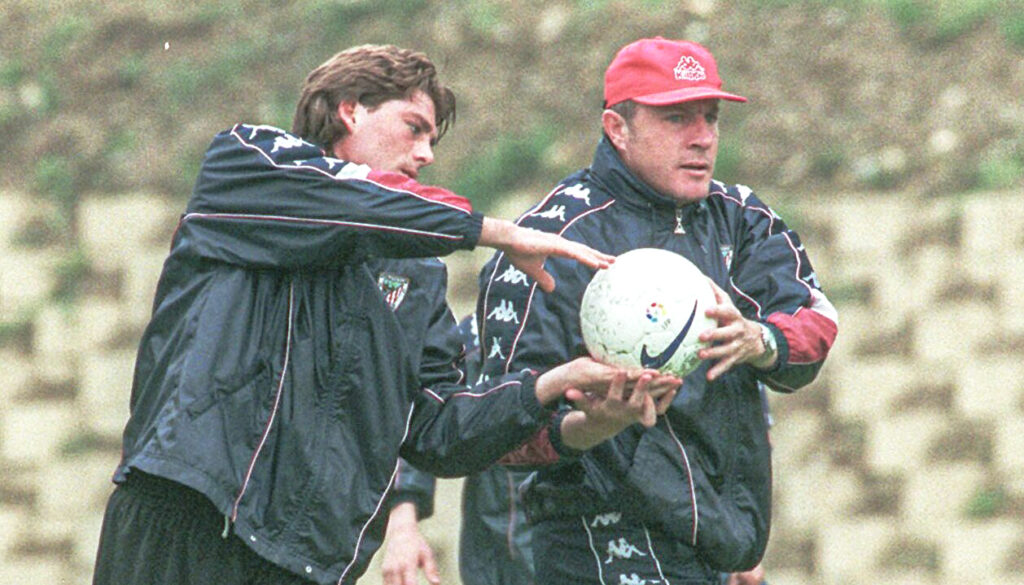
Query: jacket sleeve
x=521, y=327
x=774, y=282
x=267, y=199
x=415, y=486
x=455, y=429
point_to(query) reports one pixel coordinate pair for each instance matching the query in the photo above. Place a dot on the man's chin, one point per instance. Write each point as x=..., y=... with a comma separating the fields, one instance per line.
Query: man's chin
x=687, y=197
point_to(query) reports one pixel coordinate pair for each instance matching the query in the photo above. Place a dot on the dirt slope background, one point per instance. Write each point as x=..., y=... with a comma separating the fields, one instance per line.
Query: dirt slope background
x=896, y=95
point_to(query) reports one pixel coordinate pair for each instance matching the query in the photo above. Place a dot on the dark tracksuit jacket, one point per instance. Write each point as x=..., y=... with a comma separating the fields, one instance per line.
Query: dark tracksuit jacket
x=494, y=537
x=274, y=377
x=703, y=473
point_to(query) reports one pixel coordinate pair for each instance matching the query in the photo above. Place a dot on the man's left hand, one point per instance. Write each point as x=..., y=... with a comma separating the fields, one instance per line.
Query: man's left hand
x=736, y=340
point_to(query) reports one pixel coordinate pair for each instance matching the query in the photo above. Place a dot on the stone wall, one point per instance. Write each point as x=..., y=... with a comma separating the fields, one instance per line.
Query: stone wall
x=903, y=463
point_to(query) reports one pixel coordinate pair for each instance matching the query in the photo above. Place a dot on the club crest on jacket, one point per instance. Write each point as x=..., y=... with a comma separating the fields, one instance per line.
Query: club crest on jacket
x=394, y=288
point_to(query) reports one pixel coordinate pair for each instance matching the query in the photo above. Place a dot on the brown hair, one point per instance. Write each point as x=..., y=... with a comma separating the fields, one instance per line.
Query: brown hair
x=369, y=75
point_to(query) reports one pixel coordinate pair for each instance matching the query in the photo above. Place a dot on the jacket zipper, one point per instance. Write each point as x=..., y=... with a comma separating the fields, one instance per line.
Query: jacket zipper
x=270, y=419
x=689, y=478
x=510, y=537
x=680, y=230
x=380, y=504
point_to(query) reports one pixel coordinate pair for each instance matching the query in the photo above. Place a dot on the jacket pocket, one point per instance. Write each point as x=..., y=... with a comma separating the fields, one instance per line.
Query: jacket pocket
x=350, y=353
x=662, y=485
x=726, y=524
x=225, y=388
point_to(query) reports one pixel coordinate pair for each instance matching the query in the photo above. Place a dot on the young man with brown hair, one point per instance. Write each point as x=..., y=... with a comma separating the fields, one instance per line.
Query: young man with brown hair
x=274, y=386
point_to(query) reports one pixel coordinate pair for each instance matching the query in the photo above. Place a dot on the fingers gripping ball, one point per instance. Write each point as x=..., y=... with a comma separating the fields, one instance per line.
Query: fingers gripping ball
x=647, y=310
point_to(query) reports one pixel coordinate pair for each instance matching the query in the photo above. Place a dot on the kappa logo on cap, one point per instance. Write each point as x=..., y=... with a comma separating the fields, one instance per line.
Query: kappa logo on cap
x=689, y=69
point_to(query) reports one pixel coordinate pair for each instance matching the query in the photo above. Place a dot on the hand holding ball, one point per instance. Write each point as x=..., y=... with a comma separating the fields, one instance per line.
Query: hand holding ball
x=647, y=311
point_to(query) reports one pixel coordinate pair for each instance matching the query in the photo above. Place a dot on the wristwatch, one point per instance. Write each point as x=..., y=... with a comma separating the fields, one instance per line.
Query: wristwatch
x=771, y=347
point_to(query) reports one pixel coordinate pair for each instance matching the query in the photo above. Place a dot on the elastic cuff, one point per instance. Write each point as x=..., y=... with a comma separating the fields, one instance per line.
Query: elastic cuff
x=528, y=395
x=476, y=225
x=782, y=346
x=555, y=436
x=424, y=504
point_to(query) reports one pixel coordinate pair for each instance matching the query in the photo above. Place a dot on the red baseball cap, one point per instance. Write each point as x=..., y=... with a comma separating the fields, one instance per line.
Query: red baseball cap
x=660, y=72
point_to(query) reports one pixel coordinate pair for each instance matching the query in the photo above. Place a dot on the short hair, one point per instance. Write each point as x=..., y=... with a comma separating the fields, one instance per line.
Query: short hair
x=626, y=109
x=369, y=75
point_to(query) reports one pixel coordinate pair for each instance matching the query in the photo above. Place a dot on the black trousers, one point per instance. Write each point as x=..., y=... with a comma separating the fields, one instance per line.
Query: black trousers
x=158, y=532
x=608, y=549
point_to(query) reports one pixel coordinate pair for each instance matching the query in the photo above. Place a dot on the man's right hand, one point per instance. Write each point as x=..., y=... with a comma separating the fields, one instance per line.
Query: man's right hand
x=585, y=377
x=527, y=249
x=406, y=551
x=599, y=418
x=754, y=576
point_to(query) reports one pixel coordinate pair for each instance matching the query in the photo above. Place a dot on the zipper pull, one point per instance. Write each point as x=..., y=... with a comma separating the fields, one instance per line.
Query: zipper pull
x=679, y=221
x=227, y=527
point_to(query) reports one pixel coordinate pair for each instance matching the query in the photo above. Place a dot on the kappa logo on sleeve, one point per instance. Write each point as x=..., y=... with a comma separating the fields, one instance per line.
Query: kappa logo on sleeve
x=512, y=276
x=744, y=192
x=258, y=128
x=555, y=212
x=394, y=288
x=606, y=519
x=622, y=549
x=495, y=349
x=286, y=141
x=578, y=191
x=504, y=312
x=351, y=170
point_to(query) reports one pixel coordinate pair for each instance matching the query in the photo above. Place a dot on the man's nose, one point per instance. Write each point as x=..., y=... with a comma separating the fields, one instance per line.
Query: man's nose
x=702, y=133
x=423, y=154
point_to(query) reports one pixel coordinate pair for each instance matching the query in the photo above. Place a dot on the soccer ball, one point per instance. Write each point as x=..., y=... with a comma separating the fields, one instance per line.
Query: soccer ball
x=647, y=310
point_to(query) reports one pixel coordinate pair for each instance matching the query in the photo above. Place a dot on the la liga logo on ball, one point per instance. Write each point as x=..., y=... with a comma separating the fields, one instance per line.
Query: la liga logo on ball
x=647, y=311
x=655, y=312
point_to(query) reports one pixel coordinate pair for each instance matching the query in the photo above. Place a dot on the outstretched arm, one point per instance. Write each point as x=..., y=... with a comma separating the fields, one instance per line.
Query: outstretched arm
x=631, y=397
x=456, y=431
x=267, y=199
x=527, y=249
x=593, y=385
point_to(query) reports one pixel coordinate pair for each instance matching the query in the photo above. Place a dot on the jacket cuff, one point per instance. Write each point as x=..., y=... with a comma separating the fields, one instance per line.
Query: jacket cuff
x=472, y=235
x=424, y=504
x=528, y=398
x=555, y=436
x=782, y=346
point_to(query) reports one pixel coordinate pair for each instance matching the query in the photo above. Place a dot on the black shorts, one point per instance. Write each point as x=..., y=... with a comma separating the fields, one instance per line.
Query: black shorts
x=607, y=549
x=158, y=532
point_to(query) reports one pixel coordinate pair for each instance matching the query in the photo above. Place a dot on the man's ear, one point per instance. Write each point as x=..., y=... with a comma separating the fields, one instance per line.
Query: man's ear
x=616, y=128
x=347, y=114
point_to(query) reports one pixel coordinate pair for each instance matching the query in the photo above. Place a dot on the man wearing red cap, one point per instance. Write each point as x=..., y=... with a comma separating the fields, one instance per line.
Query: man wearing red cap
x=690, y=497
